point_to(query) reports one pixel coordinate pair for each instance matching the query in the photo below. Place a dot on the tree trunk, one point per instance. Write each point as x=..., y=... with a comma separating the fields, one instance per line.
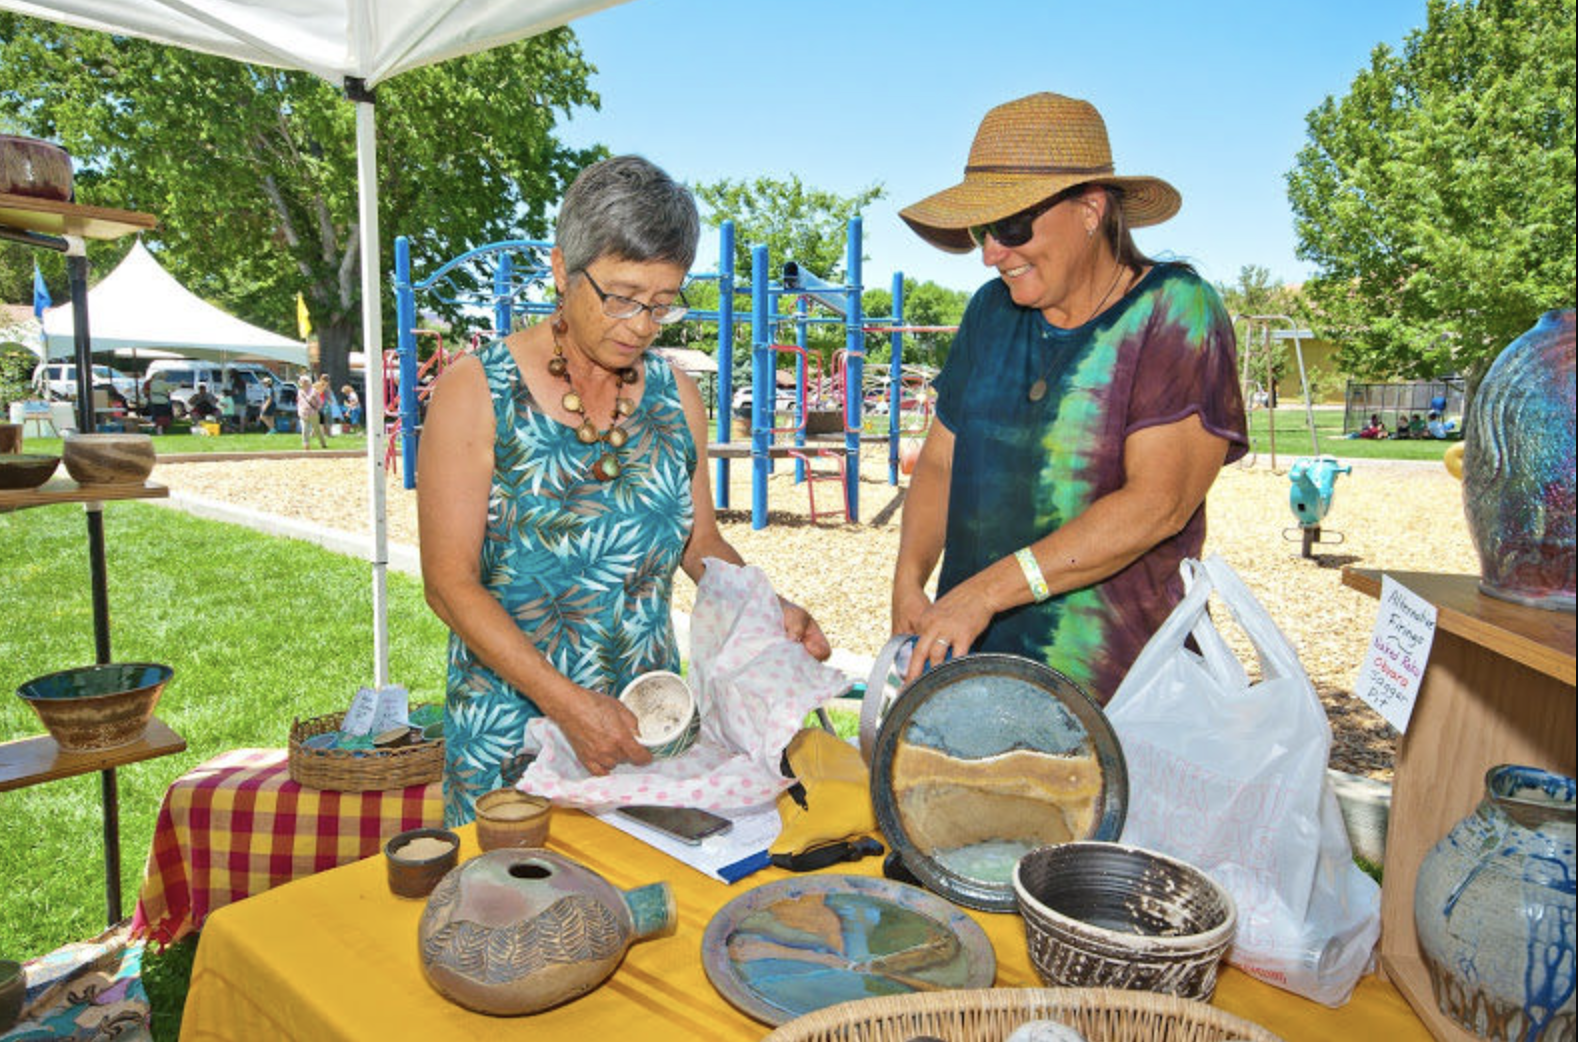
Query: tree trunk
x=335, y=342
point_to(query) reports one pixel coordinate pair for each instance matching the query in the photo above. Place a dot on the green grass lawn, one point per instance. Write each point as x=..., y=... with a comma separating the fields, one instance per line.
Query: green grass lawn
x=171, y=444
x=258, y=629
x=1293, y=438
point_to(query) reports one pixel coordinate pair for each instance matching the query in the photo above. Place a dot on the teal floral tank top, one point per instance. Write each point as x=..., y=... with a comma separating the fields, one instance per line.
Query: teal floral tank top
x=584, y=567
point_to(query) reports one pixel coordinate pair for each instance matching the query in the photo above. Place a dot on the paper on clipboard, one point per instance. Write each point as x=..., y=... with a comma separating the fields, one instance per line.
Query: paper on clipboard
x=728, y=857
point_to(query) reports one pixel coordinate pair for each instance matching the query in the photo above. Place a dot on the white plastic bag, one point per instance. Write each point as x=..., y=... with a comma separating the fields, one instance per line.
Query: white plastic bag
x=1231, y=777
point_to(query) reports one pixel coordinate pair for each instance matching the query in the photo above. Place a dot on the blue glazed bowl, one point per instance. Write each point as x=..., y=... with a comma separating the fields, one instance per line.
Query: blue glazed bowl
x=93, y=708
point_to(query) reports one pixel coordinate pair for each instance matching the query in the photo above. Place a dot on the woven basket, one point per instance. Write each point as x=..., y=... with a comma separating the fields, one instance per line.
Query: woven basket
x=364, y=770
x=991, y=1015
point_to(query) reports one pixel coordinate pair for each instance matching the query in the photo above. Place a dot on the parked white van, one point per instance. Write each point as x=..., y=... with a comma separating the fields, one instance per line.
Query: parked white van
x=185, y=374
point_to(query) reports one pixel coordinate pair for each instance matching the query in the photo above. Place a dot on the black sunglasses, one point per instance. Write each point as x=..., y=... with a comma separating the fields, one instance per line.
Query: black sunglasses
x=1016, y=229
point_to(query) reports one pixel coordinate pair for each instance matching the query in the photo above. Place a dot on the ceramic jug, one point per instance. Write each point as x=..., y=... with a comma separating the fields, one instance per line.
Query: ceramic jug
x=520, y=930
x=1518, y=468
x=1493, y=907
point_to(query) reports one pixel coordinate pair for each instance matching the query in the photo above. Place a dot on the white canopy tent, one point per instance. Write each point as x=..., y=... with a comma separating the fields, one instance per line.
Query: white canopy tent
x=140, y=307
x=353, y=44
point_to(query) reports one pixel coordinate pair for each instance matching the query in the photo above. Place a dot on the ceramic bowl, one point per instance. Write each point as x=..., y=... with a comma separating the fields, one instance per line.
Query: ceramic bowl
x=418, y=858
x=108, y=459
x=666, y=711
x=97, y=707
x=13, y=989
x=26, y=469
x=1107, y=915
x=511, y=818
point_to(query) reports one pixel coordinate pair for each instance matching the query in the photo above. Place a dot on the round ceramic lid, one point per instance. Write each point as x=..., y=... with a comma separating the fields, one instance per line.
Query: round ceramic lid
x=985, y=758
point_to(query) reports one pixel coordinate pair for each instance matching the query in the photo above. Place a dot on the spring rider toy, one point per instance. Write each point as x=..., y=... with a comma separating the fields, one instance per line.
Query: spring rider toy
x=1314, y=480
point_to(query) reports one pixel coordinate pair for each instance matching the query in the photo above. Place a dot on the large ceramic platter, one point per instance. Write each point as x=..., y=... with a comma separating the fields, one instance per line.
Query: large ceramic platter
x=798, y=945
x=982, y=760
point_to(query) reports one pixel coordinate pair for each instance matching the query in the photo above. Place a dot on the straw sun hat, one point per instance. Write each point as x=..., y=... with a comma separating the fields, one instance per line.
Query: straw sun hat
x=1026, y=151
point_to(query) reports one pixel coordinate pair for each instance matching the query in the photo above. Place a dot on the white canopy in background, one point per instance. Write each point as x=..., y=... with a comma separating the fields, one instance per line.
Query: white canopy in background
x=140, y=306
x=339, y=40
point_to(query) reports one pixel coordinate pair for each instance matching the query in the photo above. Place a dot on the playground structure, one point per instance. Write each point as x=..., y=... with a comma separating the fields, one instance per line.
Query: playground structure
x=512, y=279
x=1313, y=478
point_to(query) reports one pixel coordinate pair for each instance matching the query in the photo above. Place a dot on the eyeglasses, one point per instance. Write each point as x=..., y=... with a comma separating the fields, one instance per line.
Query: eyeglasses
x=615, y=306
x=1015, y=229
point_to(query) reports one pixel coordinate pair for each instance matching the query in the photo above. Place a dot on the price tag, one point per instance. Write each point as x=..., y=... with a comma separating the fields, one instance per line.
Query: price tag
x=1394, y=662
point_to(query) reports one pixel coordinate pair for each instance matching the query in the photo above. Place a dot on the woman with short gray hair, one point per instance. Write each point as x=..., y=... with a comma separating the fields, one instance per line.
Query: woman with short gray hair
x=560, y=487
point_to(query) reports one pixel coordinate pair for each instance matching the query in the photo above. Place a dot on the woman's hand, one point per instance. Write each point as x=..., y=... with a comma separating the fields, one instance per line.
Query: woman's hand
x=910, y=604
x=602, y=732
x=799, y=626
x=950, y=626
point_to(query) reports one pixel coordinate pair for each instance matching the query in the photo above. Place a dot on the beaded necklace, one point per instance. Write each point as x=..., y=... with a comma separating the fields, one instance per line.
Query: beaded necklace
x=607, y=467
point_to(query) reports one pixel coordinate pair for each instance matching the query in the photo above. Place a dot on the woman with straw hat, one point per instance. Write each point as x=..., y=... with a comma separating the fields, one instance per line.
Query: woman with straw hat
x=1088, y=401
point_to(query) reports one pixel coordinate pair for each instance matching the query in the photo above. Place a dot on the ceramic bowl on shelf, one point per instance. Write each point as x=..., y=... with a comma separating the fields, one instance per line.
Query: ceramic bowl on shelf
x=511, y=818
x=108, y=459
x=22, y=470
x=666, y=712
x=93, y=708
x=13, y=990
x=418, y=858
x=1109, y=915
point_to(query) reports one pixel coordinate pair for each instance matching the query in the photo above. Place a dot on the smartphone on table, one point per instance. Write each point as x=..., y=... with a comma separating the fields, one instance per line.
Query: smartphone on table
x=686, y=824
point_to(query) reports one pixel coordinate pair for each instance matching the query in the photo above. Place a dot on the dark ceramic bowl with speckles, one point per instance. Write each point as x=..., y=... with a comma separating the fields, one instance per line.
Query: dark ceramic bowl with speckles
x=1108, y=915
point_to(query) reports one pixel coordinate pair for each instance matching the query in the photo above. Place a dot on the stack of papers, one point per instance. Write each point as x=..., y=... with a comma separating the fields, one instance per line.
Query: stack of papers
x=728, y=857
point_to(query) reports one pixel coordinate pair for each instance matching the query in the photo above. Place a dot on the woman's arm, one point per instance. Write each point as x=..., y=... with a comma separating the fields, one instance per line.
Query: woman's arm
x=707, y=541
x=1168, y=470
x=455, y=461
x=922, y=529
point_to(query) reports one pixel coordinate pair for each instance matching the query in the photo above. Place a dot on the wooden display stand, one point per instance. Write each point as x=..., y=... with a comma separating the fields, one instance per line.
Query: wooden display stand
x=1499, y=688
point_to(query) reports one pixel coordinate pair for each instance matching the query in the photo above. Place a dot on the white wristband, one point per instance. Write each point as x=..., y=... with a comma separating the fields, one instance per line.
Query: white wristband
x=1032, y=569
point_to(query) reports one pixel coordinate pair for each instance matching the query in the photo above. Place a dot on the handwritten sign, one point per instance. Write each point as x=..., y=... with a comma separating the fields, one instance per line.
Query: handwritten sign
x=1394, y=662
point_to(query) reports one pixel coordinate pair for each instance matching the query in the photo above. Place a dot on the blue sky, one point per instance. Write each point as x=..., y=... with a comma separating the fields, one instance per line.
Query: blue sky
x=1210, y=96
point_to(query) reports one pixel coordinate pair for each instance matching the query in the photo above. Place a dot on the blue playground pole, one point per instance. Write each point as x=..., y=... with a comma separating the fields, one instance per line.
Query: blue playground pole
x=762, y=385
x=855, y=353
x=405, y=321
x=725, y=356
x=800, y=341
x=502, y=304
x=895, y=378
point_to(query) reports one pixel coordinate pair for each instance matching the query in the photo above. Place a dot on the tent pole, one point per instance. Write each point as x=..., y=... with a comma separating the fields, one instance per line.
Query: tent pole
x=372, y=340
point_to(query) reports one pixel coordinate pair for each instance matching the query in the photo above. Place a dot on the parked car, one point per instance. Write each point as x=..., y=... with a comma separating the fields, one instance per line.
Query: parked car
x=59, y=380
x=785, y=401
x=186, y=374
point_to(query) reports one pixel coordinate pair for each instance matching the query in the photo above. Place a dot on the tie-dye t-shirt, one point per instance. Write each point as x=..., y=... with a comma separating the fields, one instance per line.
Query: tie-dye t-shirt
x=1023, y=468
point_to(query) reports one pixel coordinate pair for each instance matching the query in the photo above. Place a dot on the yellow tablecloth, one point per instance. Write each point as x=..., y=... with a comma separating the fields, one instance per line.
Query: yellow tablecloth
x=334, y=956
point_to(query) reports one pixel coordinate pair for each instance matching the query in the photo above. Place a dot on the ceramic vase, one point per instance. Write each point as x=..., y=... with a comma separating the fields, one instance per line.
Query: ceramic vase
x=1493, y=907
x=1518, y=468
x=518, y=931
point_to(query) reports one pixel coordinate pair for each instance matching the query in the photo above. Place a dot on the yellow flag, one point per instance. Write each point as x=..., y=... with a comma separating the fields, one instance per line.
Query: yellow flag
x=303, y=323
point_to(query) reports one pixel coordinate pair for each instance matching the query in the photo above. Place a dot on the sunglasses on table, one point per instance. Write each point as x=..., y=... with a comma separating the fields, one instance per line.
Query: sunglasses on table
x=615, y=306
x=1017, y=228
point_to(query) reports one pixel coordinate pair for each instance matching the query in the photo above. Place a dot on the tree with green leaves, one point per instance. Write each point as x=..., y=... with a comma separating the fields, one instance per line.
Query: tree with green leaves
x=1437, y=197
x=925, y=304
x=252, y=170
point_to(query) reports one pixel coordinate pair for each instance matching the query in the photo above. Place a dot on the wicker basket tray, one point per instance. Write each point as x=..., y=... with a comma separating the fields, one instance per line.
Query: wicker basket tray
x=991, y=1015
x=363, y=770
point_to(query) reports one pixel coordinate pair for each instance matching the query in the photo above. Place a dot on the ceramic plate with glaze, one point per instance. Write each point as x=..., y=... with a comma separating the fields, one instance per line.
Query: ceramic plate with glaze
x=982, y=760
x=798, y=945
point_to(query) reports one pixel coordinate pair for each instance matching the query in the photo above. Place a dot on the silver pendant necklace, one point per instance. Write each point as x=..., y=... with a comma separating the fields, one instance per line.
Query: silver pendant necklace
x=1038, y=390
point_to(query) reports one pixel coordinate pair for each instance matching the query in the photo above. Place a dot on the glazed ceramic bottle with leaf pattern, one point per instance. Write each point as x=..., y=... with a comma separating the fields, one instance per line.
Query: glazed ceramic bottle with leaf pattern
x=521, y=930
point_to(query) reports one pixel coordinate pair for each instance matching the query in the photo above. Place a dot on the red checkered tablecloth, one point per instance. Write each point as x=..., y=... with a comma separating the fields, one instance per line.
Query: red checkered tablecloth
x=237, y=825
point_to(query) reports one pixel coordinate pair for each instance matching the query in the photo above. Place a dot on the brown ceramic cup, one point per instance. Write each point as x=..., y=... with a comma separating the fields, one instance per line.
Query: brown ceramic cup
x=511, y=818
x=418, y=858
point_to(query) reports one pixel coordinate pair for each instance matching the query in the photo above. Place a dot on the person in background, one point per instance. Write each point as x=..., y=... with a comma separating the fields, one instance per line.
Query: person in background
x=309, y=412
x=267, y=408
x=1417, y=427
x=1375, y=430
x=353, y=405
x=203, y=406
x=564, y=479
x=329, y=411
x=227, y=410
x=157, y=389
x=1088, y=401
x=1404, y=428
x=1436, y=427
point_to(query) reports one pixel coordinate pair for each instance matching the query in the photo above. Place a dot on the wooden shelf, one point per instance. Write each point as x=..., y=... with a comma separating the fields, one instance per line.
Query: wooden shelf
x=64, y=490
x=51, y=217
x=1408, y=975
x=31, y=761
x=1542, y=640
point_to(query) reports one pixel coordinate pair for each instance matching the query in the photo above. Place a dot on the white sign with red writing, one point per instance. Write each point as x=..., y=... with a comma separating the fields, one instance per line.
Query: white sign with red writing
x=1394, y=662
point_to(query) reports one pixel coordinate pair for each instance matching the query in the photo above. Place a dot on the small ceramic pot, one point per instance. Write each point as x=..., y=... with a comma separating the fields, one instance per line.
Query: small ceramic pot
x=666, y=712
x=13, y=989
x=1106, y=915
x=418, y=859
x=518, y=931
x=511, y=818
x=26, y=469
x=108, y=459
